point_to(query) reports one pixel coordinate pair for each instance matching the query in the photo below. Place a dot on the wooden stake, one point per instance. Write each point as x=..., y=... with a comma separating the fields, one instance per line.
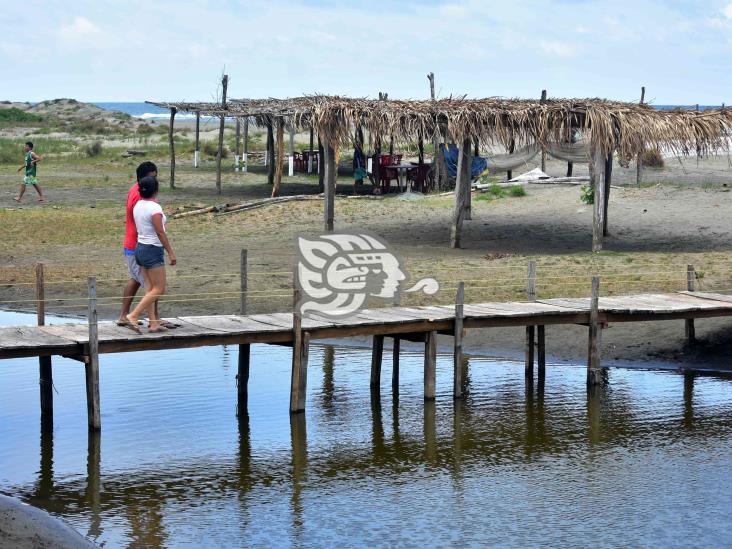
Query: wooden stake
x=330, y=186
x=608, y=182
x=45, y=370
x=291, y=155
x=462, y=189
x=242, y=378
x=689, y=329
x=298, y=382
x=321, y=170
x=570, y=166
x=280, y=157
x=245, y=156
x=270, y=154
x=92, y=365
x=377, y=353
x=395, y=364
x=541, y=350
x=543, y=152
x=197, y=150
x=237, y=139
x=638, y=160
x=171, y=147
x=457, y=357
x=530, y=330
x=310, y=152
x=243, y=282
x=594, y=371
x=597, y=174
x=219, y=153
x=430, y=364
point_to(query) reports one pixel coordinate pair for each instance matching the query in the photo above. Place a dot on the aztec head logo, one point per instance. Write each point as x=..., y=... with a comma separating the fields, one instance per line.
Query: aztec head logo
x=338, y=272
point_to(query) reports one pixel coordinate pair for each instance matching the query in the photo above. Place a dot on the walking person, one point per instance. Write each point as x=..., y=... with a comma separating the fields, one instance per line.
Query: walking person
x=29, y=163
x=152, y=243
x=136, y=280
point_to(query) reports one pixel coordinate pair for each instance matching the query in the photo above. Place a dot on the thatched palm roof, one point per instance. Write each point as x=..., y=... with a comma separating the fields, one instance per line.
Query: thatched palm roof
x=626, y=128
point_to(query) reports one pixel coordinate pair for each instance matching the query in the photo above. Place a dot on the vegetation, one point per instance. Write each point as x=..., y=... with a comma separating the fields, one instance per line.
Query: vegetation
x=93, y=149
x=652, y=158
x=587, y=194
x=14, y=114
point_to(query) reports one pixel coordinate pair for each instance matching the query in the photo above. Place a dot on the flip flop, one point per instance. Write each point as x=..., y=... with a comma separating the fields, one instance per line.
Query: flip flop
x=158, y=330
x=124, y=322
x=169, y=325
x=127, y=324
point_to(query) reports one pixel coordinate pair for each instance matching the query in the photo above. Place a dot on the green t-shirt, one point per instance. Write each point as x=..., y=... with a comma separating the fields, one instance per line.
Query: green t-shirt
x=30, y=166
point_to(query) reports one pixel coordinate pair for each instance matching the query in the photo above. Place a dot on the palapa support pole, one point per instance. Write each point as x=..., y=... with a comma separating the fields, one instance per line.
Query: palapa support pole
x=242, y=376
x=197, y=149
x=594, y=368
x=310, y=151
x=280, y=157
x=291, y=155
x=541, y=350
x=597, y=174
x=639, y=158
x=377, y=354
x=462, y=188
x=171, y=146
x=237, y=139
x=220, y=150
x=457, y=357
x=245, y=164
x=439, y=169
x=321, y=170
x=395, y=349
x=300, y=348
x=45, y=369
x=269, y=159
x=430, y=364
x=330, y=186
x=543, y=152
x=689, y=329
x=511, y=147
x=92, y=363
x=530, y=330
x=608, y=182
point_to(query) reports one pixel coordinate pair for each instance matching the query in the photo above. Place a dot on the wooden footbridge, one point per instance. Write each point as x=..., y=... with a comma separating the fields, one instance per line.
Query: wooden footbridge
x=84, y=342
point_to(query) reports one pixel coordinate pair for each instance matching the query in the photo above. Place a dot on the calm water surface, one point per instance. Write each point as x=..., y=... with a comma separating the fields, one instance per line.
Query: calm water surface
x=644, y=462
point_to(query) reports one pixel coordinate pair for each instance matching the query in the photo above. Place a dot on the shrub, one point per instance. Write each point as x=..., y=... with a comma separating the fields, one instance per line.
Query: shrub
x=211, y=148
x=14, y=114
x=93, y=149
x=587, y=194
x=517, y=190
x=652, y=158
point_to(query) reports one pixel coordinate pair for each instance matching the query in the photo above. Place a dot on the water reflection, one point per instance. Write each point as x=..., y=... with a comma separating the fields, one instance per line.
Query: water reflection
x=294, y=476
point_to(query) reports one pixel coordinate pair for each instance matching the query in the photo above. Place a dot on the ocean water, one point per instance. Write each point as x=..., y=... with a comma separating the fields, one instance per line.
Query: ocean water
x=642, y=463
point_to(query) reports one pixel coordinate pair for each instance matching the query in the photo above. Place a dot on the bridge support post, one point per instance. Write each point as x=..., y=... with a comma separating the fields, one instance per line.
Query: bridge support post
x=541, y=351
x=594, y=369
x=377, y=354
x=300, y=351
x=530, y=330
x=689, y=329
x=242, y=376
x=430, y=364
x=92, y=364
x=457, y=358
x=45, y=368
x=396, y=347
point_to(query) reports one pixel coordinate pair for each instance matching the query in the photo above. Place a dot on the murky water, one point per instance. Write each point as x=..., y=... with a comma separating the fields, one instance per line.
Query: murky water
x=644, y=462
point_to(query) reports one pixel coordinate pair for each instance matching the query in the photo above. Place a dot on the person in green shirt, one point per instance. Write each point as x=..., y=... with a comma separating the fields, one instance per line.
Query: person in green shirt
x=30, y=161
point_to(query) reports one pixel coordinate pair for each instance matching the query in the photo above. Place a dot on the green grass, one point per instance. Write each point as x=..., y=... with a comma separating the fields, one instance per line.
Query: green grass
x=11, y=150
x=14, y=114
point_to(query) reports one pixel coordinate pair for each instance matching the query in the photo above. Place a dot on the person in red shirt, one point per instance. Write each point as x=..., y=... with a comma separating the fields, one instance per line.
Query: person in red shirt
x=136, y=280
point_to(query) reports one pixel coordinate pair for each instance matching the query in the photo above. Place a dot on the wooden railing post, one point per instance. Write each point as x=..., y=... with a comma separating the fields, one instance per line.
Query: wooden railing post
x=530, y=330
x=242, y=376
x=690, y=330
x=45, y=369
x=594, y=368
x=457, y=383
x=430, y=364
x=298, y=380
x=92, y=362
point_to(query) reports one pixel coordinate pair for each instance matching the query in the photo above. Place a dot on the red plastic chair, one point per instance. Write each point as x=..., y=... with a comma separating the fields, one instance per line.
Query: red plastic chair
x=300, y=164
x=419, y=178
x=385, y=174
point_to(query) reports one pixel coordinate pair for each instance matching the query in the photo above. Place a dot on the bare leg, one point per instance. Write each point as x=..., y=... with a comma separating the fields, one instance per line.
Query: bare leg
x=39, y=191
x=155, y=289
x=21, y=192
x=130, y=290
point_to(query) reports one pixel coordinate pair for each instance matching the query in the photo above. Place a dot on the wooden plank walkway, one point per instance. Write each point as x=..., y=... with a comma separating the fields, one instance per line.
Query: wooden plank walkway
x=411, y=323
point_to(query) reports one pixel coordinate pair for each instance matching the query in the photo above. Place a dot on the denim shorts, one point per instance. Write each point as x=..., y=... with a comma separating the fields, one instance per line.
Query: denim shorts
x=149, y=256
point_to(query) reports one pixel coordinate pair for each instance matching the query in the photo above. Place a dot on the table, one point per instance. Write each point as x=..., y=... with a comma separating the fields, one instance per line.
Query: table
x=402, y=173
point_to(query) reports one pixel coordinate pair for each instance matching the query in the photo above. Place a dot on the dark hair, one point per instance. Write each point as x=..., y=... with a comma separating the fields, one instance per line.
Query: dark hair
x=148, y=186
x=30, y=144
x=144, y=169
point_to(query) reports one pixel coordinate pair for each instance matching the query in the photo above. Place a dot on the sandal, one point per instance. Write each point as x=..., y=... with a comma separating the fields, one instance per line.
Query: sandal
x=169, y=325
x=130, y=326
x=160, y=327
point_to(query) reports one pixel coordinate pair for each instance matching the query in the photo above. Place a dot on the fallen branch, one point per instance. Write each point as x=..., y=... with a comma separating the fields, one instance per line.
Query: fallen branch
x=266, y=202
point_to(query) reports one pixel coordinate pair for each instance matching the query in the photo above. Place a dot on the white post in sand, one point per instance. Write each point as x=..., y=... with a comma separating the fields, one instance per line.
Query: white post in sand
x=195, y=158
x=370, y=165
x=291, y=157
x=246, y=163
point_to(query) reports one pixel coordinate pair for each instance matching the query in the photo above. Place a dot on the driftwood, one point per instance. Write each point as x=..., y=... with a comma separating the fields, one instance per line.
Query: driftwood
x=266, y=202
x=132, y=152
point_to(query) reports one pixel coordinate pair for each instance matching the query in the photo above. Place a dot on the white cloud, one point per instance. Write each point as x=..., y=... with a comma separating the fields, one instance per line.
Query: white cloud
x=81, y=31
x=727, y=11
x=557, y=49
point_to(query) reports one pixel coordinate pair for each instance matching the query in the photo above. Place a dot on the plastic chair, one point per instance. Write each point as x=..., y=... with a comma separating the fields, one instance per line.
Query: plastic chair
x=385, y=174
x=419, y=178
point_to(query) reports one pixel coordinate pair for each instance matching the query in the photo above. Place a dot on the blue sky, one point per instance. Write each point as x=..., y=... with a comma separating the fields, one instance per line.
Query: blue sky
x=136, y=50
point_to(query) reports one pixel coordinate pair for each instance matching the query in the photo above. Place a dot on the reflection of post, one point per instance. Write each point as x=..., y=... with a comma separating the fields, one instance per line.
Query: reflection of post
x=245, y=453
x=45, y=473
x=430, y=364
x=377, y=433
x=529, y=412
x=689, y=399
x=430, y=431
x=298, y=438
x=594, y=412
x=93, y=482
x=328, y=382
x=458, y=419
x=395, y=420
x=530, y=330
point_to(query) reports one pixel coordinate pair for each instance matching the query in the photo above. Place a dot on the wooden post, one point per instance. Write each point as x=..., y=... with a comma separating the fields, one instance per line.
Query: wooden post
x=92, y=363
x=269, y=158
x=462, y=188
x=310, y=152
x=541, y=350
x=597, y=174
x=420, y=149
x=237, y=139
x=543, y=152
x=242, y=376
x=291, y=155
x=395, y=364
x=171, y=147
x=280, y=157
x=594, y=371
x=530, y=330
x=219, y=153
x=638, y=160
x=330, y=186
x=570, y=166
x=430, y=364
x=45, y=370
x=197, y=150
x=511, y=148
x=245, y=156
x=608, y=181
x=321, y=170
x=300, y=347
x=377, y=353
x=468, y=205
x=457, y=357
x=690, y=330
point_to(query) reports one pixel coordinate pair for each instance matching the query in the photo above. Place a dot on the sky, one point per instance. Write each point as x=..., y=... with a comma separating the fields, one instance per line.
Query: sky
x=136, y=50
